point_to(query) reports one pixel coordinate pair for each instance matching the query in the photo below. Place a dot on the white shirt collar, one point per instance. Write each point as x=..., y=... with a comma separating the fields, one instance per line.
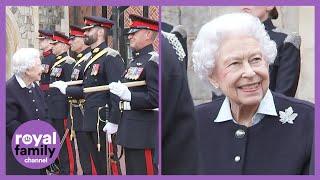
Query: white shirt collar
x=266, y=107
x=22, y=83
x=225, y=112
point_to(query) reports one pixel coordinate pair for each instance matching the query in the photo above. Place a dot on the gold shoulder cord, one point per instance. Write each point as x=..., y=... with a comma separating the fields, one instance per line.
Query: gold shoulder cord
x=80, y=60
x=58, y=62
x=98, y=132
x=94, y=58
x=74, y=103
x=81, y=107
x=73, y=133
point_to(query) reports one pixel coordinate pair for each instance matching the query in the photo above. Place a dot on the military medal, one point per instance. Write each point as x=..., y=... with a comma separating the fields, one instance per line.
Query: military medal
x=134, y=73
x=45, y=68
x=75, y=74
x=128, y=74
x=53, y=72
x=95, y=69
x=138, y=72
x=58, y=72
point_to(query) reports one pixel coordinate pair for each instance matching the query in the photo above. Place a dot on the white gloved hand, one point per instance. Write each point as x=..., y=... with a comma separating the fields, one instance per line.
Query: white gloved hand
x=110, y=128
x=61, y=85
x=120, y=90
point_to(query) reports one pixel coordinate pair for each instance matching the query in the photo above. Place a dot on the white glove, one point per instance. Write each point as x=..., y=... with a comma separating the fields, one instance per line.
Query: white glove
x=61, y=85
x=110, y=128
x=120, y=90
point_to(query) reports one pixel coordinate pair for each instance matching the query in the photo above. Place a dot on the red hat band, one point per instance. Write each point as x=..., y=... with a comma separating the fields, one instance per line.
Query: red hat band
x=61, y=39
x=74, y=32
x=107, y=25
x=137, y=24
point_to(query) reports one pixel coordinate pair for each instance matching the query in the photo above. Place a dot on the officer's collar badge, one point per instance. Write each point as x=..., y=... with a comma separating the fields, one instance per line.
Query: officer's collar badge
x=95, y=50
x=79, y=55
x=136, y=54
x=288, y=116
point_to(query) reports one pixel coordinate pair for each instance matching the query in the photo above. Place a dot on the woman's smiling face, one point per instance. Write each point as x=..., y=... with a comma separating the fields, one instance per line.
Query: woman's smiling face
x=241, y=71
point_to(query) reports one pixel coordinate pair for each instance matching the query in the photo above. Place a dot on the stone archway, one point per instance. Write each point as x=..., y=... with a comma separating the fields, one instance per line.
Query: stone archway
x=12, y=39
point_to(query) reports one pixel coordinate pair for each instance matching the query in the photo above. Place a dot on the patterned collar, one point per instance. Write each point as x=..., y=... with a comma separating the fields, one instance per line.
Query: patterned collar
x=176, y=44
x=266, y=107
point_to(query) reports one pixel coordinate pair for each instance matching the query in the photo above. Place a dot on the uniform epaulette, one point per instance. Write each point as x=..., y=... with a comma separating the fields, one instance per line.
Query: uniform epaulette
x=154, y=57
x=70, y=60
x=174, y=41
x=112, y=52
x=292, y=37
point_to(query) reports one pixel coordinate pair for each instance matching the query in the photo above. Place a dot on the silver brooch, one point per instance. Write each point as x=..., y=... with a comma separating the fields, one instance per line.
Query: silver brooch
x=287, y=116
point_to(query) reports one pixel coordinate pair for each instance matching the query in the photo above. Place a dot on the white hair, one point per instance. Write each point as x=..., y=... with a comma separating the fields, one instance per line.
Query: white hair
x=211, y=34
x=23, y=59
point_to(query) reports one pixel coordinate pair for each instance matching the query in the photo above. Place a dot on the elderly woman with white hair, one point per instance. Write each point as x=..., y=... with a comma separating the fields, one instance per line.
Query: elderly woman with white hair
x=24, y=101
x=250, y=130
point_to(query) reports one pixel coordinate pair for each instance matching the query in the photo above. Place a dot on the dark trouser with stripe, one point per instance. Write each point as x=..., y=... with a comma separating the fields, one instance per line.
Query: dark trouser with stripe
x=84, y=153
x=66, y=158
x=99, y=157
x=92, y=161
x=140, y=162
x=114, y=162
